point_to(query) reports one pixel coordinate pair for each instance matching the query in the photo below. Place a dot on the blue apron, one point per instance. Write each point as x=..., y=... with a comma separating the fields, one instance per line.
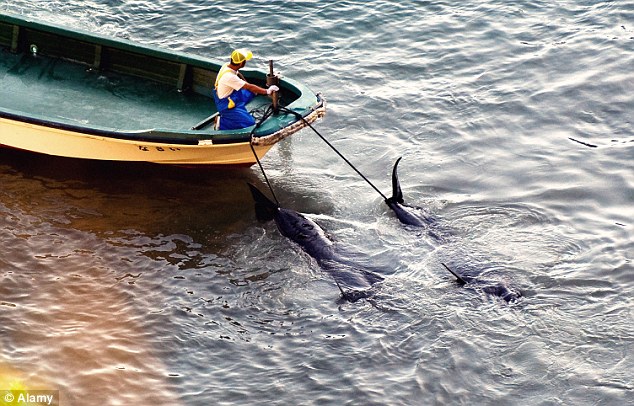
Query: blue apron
x=232, y=109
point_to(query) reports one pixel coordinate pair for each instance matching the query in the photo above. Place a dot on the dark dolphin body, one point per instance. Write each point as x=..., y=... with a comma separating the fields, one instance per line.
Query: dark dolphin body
x=415, y=216
x=353, y=281
x=497, y=288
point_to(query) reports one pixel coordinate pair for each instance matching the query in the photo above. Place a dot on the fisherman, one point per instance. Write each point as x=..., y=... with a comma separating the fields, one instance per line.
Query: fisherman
x=232, y=93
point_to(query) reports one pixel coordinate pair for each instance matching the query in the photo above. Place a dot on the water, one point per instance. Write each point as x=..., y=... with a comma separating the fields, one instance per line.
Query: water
x=139, y=285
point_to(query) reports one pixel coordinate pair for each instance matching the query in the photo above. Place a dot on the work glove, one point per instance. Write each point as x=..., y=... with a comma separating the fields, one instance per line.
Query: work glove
x=272, y=89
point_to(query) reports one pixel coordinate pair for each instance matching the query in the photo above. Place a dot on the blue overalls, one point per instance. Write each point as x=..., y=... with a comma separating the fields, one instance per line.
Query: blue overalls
x=232, y=109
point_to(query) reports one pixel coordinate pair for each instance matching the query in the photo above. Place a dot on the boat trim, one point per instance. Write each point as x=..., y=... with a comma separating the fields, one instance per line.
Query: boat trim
x=317, y=112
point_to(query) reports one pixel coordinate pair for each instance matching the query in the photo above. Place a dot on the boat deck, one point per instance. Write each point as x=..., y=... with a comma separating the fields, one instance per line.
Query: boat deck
x=65, y=91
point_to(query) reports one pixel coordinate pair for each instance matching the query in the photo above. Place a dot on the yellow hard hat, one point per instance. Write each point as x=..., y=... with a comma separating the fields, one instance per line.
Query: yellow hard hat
x=240, y=55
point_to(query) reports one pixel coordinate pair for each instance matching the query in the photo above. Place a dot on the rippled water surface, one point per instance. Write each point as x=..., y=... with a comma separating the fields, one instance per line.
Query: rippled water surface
x=141, y=285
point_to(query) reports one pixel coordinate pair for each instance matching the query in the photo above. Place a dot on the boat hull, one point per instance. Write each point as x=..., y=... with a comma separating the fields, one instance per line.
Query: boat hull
x=64, y=143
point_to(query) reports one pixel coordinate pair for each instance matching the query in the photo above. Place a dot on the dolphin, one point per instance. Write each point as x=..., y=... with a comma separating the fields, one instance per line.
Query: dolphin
x=312, y=239
x=496, y=288
x=410, y=215
x=416, y=216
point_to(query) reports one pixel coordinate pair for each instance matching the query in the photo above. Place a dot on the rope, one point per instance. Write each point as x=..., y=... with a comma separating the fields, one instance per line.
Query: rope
x=334, y=149
x=267, y=114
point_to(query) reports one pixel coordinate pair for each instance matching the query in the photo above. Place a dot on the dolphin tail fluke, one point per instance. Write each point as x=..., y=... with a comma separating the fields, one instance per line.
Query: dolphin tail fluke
x=265, y=208
x=460, y=279
x=397, y=194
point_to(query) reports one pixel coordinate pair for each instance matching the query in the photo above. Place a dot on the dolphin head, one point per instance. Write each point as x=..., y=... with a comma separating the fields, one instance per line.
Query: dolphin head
x=294, y=226
x=354, y=295
x=298, y=228
x=508, y=293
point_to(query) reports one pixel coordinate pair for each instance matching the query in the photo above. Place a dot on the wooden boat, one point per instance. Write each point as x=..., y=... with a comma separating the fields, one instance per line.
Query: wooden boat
x=75, y=94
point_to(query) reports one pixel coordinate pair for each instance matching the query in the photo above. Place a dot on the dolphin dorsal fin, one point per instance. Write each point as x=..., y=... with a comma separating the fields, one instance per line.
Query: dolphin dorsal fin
x=460, y=279
x=397, y=194
x=265, y=208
